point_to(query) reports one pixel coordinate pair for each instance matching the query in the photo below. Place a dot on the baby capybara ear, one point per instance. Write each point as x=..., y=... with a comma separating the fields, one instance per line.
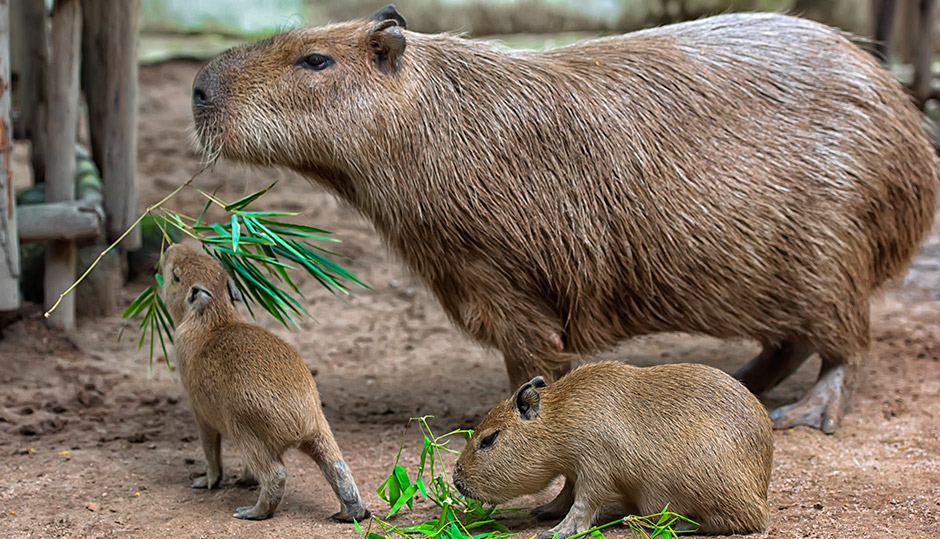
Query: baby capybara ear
x=199, y=297
x=527, y=399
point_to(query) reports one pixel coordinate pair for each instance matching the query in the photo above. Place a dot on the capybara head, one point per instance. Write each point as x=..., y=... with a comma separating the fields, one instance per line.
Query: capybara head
x=310, y=82
x=192, y=281
x=510, y=451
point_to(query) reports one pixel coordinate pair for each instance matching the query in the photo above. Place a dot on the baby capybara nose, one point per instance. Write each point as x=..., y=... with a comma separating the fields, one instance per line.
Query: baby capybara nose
x=199, y=97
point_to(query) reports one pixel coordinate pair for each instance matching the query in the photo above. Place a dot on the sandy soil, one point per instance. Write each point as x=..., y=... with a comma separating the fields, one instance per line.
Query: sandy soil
x=95, y=444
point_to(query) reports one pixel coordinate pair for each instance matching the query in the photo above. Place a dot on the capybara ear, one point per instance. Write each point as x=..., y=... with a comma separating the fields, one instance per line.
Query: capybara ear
x=387, y=43
x=199, y=297
x=527, y=399
x=389, y=13
x=233, y=292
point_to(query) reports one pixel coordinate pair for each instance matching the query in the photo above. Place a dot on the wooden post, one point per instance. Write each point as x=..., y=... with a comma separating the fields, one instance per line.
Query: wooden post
x=110, y=83
x=882, y=14
x=923, y=50
x=9, y=245
x=61, y=256
x=29, y=16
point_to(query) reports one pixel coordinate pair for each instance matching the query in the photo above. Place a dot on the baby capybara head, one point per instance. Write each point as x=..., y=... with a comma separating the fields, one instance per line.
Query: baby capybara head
x=290, y=100
x=192, y=281
x=510, y=453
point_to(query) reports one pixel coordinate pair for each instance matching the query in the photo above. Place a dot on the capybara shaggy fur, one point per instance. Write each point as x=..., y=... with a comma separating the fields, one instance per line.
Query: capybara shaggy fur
x=745, y=175
x=248, y=385
x=683, y=435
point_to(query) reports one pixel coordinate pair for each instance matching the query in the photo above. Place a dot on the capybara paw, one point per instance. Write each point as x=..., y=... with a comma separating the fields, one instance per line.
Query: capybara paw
x=817, y=416
x=821, y=408
x=551, y=535
x=353, y=512
x=252, y=512
x=203, y=481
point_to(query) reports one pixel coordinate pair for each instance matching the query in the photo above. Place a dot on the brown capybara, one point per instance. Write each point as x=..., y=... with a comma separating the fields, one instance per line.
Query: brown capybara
x=246, y=384
x=746, y=175
x=685, y=435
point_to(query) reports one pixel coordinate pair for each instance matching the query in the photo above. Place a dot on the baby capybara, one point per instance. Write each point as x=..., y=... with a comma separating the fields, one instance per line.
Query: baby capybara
x=684, y=435
x=246, y=384
x=745, y=175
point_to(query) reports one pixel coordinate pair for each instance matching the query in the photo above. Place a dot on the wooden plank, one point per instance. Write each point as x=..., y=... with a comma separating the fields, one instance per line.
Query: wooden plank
x=61, y=256
x=29, y=16
x=62, y=221
x=110, y=82
x=9, y=246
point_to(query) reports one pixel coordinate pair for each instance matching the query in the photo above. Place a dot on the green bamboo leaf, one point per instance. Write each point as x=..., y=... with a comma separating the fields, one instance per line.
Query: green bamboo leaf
x=242, y=202
x=202, y=213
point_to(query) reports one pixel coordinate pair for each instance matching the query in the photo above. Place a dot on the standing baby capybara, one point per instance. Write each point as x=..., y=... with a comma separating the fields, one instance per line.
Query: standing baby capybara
x=746, y=175
x=685, y=436
x=245, y=383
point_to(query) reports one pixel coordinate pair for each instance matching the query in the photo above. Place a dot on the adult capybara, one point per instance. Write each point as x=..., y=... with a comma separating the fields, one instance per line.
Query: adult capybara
x=748, y=175
x=684, y=435
x=248, y=385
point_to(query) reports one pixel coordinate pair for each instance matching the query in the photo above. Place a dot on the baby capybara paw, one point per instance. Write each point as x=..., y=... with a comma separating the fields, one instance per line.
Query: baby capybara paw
x=203, y=481
x=353, y=512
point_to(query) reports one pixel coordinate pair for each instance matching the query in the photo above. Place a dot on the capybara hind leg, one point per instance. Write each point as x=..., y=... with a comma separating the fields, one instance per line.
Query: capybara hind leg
x=823, y=406
x=558, y=507
x=272, y=477
x=212, y=449
x=323, y=449
x=774, y=364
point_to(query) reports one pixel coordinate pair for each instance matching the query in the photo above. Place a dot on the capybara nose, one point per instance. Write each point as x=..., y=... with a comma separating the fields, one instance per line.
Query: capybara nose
x=200, y=99
x=206, y=92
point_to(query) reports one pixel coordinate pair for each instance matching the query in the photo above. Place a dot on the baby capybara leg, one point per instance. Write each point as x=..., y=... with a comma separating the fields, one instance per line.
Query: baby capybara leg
x=322, y=448
x=774, y=364
x=823, y=406
x=212, y=449
x=558, y=507
x=267, y=467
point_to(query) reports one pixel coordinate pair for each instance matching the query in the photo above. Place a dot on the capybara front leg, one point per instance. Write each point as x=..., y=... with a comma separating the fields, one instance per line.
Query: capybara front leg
x=212, y=449
x=823, y=406
x=774, y=364
x=558, y=507
x=579, y=517
x=323, y=449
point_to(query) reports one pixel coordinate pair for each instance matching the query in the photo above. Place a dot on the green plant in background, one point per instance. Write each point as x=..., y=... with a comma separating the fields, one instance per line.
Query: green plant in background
x=460, y=515
x=258, y=249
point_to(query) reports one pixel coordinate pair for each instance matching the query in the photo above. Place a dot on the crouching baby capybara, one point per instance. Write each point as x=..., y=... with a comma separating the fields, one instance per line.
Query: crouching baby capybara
x=745, y=175
x=684, y=435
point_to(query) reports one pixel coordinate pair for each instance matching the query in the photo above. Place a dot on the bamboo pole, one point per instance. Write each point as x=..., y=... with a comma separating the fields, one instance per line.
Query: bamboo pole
x=61, y=256
x=110, y=83
x=9, y=245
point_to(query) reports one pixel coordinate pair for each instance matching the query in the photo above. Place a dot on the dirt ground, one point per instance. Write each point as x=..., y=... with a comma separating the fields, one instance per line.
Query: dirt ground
x=95, y=444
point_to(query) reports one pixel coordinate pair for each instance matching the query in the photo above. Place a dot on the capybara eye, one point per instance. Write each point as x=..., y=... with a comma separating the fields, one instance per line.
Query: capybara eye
x=488, y=441
x=315, y=62
x=176, y=278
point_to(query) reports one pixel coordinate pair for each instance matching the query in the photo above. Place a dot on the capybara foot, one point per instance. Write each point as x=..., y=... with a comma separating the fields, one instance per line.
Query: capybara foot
x=353, y=512
x=203, y=481
x=821, y=408
x=254, y=512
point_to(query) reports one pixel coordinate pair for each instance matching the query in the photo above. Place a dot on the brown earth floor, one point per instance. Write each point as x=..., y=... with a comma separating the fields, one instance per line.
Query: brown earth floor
x=95, y=444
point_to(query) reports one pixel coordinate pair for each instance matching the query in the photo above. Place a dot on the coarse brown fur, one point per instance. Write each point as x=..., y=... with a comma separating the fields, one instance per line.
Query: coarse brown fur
x=246, y=384
x=746, y=175
x=685, y=435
